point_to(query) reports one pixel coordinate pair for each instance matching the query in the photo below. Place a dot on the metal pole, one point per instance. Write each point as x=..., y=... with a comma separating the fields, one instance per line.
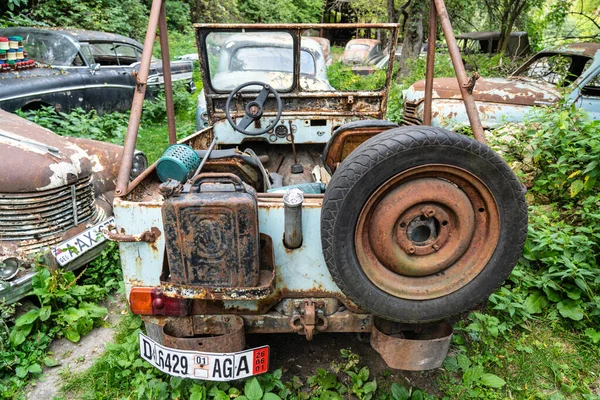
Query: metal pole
x=431, y=42
x=166, y=64
x=461, y=74
x=138, y=100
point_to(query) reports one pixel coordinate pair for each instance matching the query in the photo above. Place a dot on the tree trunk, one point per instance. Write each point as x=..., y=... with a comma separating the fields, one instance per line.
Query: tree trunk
x=518, y=8
x=391, y=11
x=413, y=37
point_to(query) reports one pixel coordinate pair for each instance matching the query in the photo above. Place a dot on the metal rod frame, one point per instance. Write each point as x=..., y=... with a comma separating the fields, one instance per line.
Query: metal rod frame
x=461, y=73
x=431, y=44
x=158, y=18
x=166, y=64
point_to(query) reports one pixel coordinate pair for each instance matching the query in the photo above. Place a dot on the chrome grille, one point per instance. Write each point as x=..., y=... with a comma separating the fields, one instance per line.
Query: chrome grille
x=38, y=219
x=410, y=114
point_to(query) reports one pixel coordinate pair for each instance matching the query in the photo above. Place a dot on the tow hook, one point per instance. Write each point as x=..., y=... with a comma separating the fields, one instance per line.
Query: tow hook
x=309, y=318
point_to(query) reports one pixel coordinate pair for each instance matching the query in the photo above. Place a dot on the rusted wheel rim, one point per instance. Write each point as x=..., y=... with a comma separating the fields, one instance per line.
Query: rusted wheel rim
x=427, y=232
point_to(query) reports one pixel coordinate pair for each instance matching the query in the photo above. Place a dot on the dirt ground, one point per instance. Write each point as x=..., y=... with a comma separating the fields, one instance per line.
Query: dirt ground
x=296, y=356
x=77, y=356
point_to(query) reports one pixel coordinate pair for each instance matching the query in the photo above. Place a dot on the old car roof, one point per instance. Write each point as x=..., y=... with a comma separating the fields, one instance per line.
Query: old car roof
x=250, y=39
x=80, y=35
x=582, y=49
x=487, y=35
x=368, y=42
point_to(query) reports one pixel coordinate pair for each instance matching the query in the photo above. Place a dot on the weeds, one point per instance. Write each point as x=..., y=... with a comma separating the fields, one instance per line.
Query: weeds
x=65, y=309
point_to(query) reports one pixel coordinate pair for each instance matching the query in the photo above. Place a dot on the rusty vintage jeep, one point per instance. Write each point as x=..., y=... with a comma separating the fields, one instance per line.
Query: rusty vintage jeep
x=299, y=209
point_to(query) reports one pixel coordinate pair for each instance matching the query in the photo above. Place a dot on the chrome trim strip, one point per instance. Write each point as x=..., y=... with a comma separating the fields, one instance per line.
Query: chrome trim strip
x=71, y=88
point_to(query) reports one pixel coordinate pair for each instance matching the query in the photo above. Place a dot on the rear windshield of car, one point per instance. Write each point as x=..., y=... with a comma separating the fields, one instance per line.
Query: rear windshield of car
x=50, y=48
x=272, y=59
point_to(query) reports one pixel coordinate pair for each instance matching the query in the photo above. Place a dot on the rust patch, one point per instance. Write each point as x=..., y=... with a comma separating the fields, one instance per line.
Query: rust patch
x=427, y=232
x=148, y=236
x=213, y=334
x=420, y=349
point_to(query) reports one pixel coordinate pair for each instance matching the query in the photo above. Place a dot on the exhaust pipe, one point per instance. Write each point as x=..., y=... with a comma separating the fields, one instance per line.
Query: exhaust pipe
x=292, y=213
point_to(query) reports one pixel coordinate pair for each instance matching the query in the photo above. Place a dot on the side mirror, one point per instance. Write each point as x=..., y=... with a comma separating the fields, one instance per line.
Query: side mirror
x=94, y=67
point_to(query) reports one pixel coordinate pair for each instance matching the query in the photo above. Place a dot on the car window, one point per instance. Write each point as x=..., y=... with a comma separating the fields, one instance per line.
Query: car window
x=126, y=54
x=104, y=54
x=557, y=69
x=592, y=88
x=78, y=61
x=49, y=47
x=86, y=52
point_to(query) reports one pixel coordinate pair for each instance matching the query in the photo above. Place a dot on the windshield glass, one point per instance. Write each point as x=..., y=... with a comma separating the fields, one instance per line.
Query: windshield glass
x=557, y=69
x=339, y=60
x=272, y=59
x=46, y=47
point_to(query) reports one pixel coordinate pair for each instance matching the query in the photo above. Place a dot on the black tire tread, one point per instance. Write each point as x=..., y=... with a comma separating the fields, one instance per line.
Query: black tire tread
x=389, y=144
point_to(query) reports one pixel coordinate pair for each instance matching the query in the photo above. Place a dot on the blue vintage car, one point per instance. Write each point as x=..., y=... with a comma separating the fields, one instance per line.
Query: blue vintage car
x=79, y=68
x=569, y=72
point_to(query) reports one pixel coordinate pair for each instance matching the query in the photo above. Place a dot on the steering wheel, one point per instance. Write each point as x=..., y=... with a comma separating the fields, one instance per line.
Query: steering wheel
x=254, y=108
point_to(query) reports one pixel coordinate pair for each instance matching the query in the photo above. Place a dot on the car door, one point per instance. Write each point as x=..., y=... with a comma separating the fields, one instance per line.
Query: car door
x=109, y=82
x=590, y=97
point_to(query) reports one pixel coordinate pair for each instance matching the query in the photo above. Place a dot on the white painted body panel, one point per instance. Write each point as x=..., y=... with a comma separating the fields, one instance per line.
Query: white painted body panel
x=301, y=269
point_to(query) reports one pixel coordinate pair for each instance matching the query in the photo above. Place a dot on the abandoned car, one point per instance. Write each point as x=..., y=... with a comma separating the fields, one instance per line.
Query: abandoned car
x=570, y=72
x=56, y=194
x=303, y=211
x=487, y=43
x=362, y=52
x=79, y=68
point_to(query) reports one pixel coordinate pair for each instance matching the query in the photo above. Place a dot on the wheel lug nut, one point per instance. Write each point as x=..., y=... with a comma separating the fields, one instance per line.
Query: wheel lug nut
x=435, y=247
x=411, y=250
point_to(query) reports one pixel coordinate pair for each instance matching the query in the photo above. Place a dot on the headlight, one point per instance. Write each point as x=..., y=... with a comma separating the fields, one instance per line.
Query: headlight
x=139, y=164
x=9, y=268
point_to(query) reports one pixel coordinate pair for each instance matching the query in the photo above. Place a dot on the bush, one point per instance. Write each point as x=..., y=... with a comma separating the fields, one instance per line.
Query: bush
x=556, y=150
x=342, y=78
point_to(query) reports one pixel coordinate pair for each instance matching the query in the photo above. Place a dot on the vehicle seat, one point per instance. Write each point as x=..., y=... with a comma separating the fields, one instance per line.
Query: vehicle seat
x=348, y=137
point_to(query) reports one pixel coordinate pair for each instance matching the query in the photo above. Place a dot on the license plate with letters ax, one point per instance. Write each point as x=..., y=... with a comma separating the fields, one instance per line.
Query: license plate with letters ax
x=205, y=366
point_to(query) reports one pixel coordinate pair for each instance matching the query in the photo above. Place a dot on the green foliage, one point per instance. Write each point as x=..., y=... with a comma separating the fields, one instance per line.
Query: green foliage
x=558, y=276
x=65, y=310
x=281, y=11
x=105, y=271
x=342, y=78
x=126, y=17
x=79, y=123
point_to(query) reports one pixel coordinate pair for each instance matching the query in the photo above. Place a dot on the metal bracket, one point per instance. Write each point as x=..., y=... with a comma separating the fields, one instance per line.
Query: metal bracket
x=310, y=317
x=148, y=236
x=471, y=84
x=171, y=188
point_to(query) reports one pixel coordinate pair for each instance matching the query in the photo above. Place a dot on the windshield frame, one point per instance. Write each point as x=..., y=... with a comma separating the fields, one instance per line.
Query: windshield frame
x=295, y=31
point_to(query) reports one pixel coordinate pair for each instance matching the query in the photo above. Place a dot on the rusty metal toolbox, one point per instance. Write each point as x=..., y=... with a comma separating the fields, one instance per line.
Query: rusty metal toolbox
x=211, y=233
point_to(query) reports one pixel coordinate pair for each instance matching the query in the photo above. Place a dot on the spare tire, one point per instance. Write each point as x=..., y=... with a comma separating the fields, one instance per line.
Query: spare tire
x=420, y=224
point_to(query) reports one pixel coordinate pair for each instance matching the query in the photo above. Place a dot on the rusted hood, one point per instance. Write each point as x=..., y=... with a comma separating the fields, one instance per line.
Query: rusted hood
x=518, y=91
x=34, y=158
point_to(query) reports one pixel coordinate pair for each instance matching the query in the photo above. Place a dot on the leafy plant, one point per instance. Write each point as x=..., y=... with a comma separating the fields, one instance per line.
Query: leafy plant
x=341, y=77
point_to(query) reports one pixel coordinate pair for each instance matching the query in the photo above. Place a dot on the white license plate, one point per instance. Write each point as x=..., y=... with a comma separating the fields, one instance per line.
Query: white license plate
x=74, y=247
x=205, y=366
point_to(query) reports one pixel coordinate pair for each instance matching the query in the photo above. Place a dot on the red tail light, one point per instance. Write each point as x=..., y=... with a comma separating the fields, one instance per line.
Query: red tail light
x=152, y=301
